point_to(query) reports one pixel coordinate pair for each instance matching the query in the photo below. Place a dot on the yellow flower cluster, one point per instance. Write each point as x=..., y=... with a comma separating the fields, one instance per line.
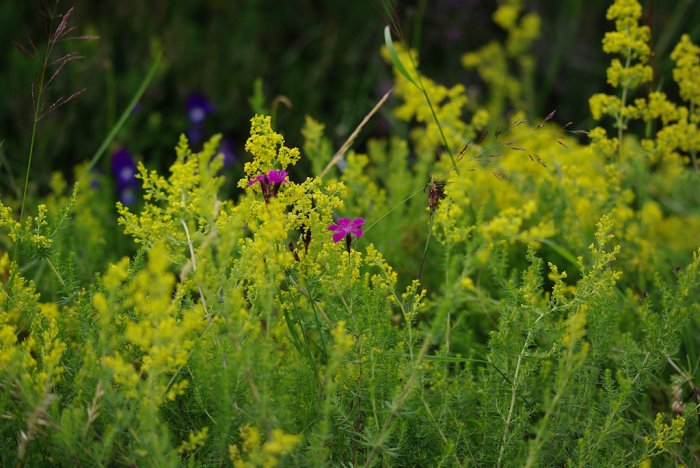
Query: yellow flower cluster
x=32, y=343
x=666, y=435
x=522, y=30
x=387, y=277
x=141, y=316
x=687, y=58
x=33, y=230
x=631, y=42
x=678, y=133
x=317, y=148
x=267, y=148
x=181, y=208
x=342, y=340
x=492, y=60
x=448, y=104
x=629, y=38
x=253, y=453
x=195, y=440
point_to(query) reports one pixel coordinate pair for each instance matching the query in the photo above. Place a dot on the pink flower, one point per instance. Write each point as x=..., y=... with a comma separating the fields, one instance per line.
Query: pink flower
x=277, y=176
x=270, y=182
x=259, y=178
x=345, y=229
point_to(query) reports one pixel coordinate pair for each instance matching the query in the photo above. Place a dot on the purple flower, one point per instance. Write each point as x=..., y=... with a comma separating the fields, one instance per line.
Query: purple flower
x=95, y=178
x=226, y=148
x=277, y=176
x=195, y=134
x=124, y=171
x=345, y=229
x=270, y=182
x=123, y=168
x=258, y=178
x=452, y=34
x=128, y=196
x=198, y=108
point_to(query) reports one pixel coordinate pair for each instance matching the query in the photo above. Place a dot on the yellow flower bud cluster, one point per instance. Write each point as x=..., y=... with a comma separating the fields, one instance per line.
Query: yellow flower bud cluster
x=678, y=133
x=494, y=61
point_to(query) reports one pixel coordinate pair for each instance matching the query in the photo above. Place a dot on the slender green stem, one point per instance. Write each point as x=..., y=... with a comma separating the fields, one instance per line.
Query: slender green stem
x=693, y=153
x=194, y=268
x=513, y=396
x=619, y=118
x=53, y=268
x=398, y=402
x=418, y=23
x=437, y=122
x=126, y=114
x=425, y=249
x=295, y=336
x=448, y=319
x=37, y=108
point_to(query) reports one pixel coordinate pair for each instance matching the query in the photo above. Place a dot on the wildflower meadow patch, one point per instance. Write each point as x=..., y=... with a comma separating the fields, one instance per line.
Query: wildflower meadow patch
x=480, y=287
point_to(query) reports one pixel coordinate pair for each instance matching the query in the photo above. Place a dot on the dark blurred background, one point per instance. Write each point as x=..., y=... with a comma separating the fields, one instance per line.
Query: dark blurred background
x=320, y=57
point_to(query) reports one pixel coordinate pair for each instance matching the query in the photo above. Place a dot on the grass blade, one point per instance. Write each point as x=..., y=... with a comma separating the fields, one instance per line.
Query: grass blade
x=127, y=112
x=395, y=58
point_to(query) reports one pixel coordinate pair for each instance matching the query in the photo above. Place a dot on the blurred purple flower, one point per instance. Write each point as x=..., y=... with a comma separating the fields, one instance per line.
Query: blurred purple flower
x=198, y=107
x=95, y=177
x=123, y=167
x=195, y=134
x=452, y=34
x=226, y=148
x=128, y=196
x=124, y=171
x=461, y=3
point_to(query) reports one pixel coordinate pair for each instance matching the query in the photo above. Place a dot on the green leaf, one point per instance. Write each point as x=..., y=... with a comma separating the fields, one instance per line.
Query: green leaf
x=561, y=251
x=394, y=57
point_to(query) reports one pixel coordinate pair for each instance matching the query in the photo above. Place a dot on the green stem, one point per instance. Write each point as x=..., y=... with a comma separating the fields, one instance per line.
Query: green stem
x=619, y=118
x=53, y=268
x=513, y=396
x=693, y=153
x=398, y=402
x=127, y=112
x=194, y=268
x=425, y=249
x=37, y=108
x=437, y=122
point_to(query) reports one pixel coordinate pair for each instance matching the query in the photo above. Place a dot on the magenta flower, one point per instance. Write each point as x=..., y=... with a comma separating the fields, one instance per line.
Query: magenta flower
x=345, y=229
x=277, y=176
x=270, y=182
x=258, y=178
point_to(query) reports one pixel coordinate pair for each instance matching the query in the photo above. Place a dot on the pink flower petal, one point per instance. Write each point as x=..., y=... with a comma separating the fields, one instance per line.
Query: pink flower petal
x=357, y=231
x=338, y=236
x=277, y=176
x=258, y=178
x=344, y=222
x=333, y=227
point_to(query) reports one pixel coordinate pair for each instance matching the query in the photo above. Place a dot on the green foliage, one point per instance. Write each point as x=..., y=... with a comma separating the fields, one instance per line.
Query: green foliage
x=530, y=313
